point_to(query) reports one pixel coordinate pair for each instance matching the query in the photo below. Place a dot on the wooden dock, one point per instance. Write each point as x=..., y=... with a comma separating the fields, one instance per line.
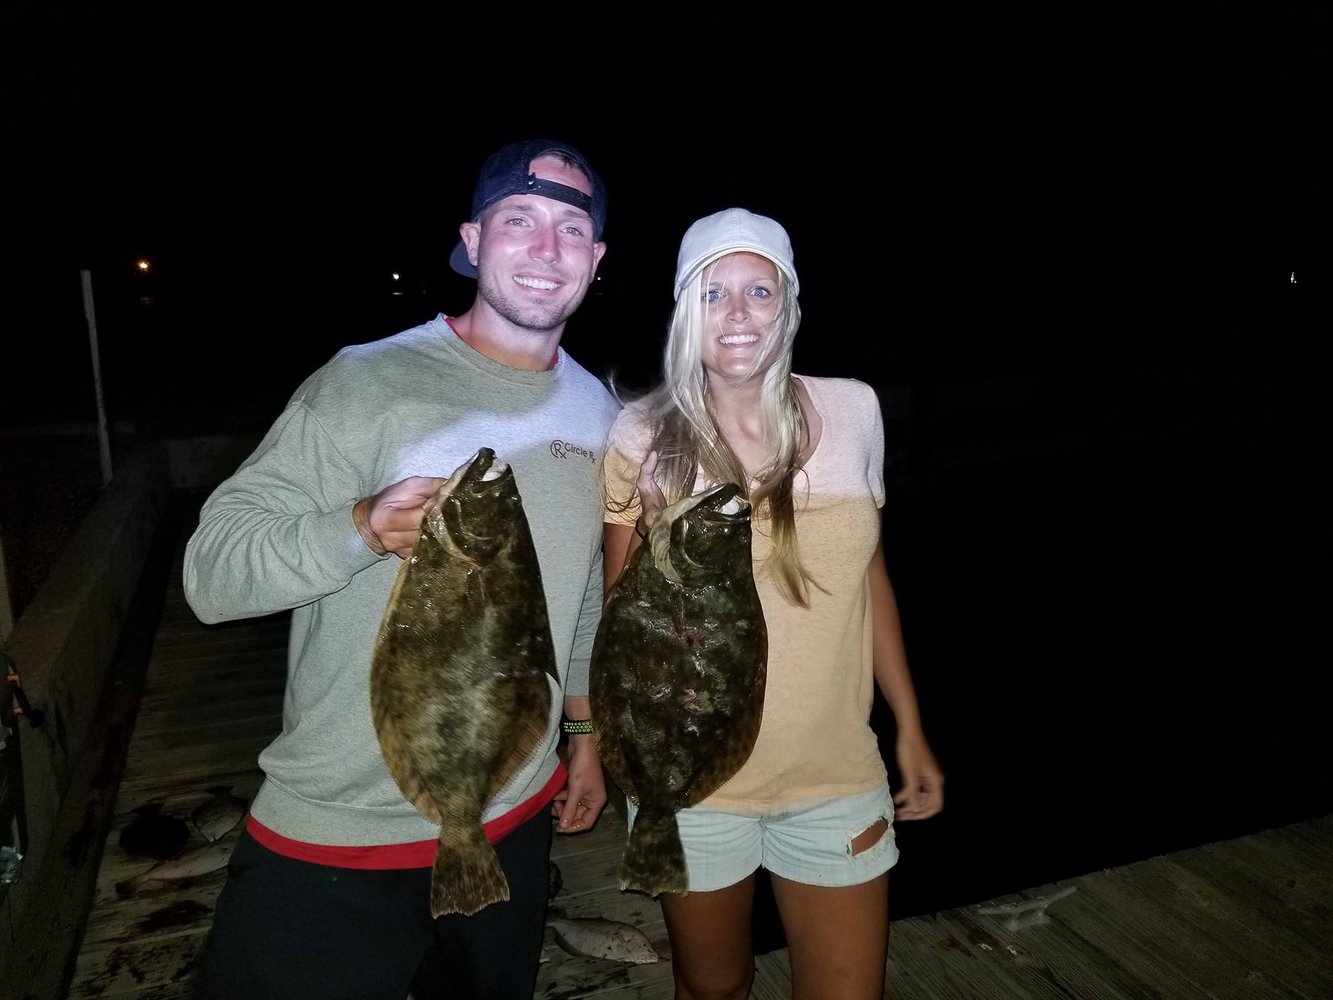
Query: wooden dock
x=1249, y=918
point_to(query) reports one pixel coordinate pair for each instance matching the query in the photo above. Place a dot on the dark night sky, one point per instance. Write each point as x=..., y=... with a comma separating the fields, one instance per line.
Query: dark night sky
x=1106, y=201
x=967, y=191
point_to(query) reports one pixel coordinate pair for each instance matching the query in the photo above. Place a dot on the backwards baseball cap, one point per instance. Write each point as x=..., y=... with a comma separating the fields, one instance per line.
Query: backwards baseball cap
x=733, y=230
x=508, y=171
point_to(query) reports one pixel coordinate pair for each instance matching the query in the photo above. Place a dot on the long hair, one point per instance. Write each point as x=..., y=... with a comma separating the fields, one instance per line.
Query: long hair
x=690, y=445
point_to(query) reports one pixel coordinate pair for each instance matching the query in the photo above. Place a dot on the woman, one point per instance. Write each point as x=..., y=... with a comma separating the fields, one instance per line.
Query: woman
x=812, y=803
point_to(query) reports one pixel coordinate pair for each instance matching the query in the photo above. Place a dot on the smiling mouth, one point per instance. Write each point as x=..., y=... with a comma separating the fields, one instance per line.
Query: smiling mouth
x=542, y=284
x=738, y=339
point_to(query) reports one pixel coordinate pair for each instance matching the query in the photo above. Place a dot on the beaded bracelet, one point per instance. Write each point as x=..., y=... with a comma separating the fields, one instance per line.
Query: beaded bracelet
x=577, y=727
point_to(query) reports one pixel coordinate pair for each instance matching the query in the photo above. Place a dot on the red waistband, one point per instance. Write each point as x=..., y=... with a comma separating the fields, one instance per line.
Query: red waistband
x=415, y=854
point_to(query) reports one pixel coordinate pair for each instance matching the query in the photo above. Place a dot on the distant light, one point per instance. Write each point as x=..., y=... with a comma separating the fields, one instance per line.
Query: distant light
x=396, y=275
x=142, y=265
x=1293, y=277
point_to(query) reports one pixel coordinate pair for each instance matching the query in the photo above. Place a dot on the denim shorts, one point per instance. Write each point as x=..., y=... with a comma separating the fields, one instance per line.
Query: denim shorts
x=809, y=843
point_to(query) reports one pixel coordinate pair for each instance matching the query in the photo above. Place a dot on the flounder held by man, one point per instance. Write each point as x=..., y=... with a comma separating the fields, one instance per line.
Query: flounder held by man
x=677, y=676
x=459, y=688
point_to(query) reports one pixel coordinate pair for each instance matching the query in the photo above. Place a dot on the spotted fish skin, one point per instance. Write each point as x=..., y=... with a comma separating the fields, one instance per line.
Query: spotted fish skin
x=459, y=688
x=597, y=937
x=677, y=677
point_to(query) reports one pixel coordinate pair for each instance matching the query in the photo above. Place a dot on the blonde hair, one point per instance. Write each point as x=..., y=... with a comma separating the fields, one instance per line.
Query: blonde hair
x=690, y=445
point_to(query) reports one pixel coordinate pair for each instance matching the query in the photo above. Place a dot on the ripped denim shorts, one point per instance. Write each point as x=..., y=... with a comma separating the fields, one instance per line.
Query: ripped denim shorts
x=809, y=843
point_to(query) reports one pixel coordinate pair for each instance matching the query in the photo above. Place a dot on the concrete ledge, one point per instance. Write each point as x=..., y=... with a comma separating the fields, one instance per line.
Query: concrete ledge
x=63, y=646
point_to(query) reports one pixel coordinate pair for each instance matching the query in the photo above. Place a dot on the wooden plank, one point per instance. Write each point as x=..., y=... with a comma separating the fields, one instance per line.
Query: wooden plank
x=193, y=671
x=1273, y=952
x=587, y=863
x=1285, y=854
x=196, y=643
x=1183, y=934
x=155, y=908
x=158, y=966
x=1249, y=917
x=41, y=954
x=1094, y=922
x=772, y=976
x=202, y=722
x=1049, y=952
x=230, y=748
x=258, y=714
x=169, y=785
x=1304, y=922
x=927, y=960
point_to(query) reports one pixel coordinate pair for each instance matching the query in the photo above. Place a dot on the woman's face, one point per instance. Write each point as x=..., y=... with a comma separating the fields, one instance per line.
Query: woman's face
x=740, y=301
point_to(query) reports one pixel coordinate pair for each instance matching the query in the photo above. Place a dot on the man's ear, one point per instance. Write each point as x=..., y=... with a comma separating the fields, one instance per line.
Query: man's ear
x=470, y=233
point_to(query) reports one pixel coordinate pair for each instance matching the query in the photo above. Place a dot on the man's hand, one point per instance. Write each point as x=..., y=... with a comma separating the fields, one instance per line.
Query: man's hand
x=651, y=499
x=390, y=521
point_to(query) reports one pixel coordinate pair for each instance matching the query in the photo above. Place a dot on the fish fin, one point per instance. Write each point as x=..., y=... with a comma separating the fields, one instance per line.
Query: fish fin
x=397, y=755
x=608, y=748
x=393, y=744
x=654, y=858
x=528, y=739
x=607, y=729
x=731, y=753
x=618, y=788
x=467, y=875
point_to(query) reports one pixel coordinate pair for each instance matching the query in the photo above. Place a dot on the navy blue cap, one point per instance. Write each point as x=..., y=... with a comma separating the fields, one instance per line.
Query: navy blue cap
x=508, y=171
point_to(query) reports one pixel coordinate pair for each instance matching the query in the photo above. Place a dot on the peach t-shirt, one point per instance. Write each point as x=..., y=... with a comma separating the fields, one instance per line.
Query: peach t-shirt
x=815, y=740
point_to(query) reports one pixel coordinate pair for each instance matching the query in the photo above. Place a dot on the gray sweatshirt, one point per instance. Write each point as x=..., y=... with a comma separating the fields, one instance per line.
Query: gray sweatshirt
x=278, y=535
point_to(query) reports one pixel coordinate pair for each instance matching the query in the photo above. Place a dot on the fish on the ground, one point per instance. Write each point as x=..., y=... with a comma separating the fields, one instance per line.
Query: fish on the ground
x=199, y=859
x=597, y=937
x=463, y=672
x=153, y=834
x=677, y=678
x=220, y=814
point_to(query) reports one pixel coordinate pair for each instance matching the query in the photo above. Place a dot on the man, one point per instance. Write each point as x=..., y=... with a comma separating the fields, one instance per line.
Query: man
x=328, y=891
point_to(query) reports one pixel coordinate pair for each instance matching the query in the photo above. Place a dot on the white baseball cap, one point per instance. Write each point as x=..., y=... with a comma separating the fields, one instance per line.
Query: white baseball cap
x=733, y=230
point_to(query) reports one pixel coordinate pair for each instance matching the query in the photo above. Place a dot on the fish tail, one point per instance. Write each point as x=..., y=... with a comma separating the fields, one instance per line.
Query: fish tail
x=654, y=858
x=466, y=877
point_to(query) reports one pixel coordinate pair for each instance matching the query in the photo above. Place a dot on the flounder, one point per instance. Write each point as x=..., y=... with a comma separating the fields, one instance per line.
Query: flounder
x=598, y=937
x=459, y=688
x=677, y=676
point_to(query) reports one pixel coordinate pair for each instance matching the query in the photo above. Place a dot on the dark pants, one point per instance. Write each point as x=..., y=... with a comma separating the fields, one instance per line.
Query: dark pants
x=299, y=931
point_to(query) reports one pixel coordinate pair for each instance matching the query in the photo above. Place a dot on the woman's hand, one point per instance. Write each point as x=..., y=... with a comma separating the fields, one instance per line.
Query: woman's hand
x=922, y=793
x=581, y=801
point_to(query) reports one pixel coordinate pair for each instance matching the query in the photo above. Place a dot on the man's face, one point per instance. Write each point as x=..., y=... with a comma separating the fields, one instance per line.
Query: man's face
x=535, y=256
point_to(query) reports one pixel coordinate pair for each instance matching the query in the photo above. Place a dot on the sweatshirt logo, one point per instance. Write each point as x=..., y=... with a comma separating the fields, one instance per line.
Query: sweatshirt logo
x=567, y=449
